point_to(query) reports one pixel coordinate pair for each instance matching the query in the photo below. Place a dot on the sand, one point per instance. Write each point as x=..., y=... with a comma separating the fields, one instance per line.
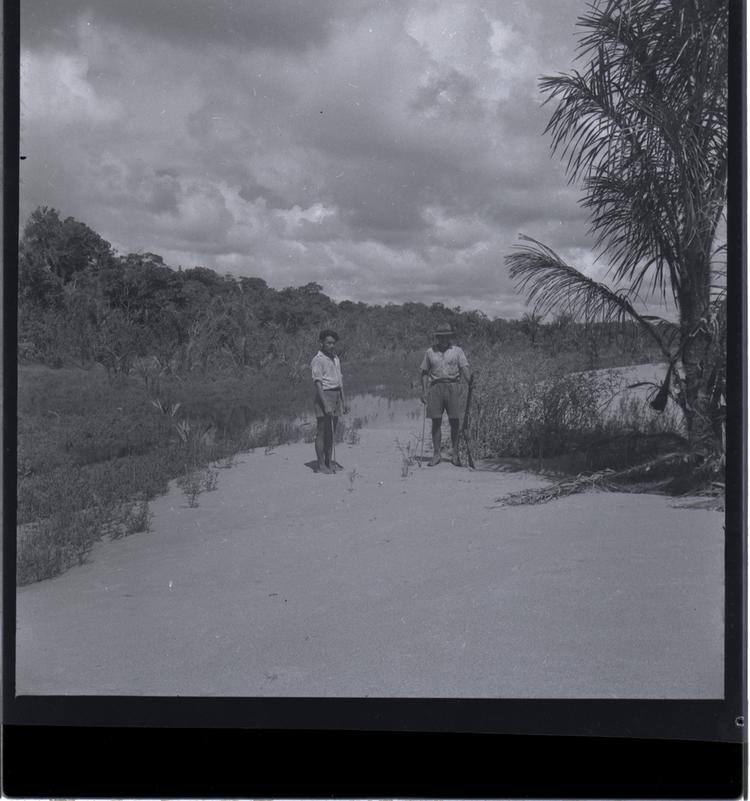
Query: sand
x=284, y=582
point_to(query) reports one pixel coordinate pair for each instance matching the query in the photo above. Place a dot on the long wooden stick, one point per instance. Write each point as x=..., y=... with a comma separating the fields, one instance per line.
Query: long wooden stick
x=333, y=445
x=465, y=426
x=424, y=420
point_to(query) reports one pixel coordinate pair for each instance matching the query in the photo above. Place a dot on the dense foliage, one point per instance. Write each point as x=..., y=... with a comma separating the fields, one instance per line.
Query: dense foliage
x=80, y=303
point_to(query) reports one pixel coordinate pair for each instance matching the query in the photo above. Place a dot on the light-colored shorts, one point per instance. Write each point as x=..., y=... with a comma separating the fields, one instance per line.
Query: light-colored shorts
x=333, y=399
x=444, y=396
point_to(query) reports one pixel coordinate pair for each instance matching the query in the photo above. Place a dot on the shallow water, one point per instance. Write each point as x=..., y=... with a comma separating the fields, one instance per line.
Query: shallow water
x=375, y=411
x=372, y=410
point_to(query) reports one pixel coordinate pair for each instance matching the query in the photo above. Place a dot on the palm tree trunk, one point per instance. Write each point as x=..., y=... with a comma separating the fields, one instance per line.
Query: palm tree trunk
x=696, y=400
x=695, y=341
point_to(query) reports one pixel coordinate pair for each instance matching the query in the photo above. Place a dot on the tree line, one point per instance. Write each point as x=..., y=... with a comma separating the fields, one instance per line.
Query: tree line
x=81, y=303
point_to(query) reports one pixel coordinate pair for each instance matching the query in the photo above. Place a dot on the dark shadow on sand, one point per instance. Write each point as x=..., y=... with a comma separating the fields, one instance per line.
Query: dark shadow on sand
x=313, y=465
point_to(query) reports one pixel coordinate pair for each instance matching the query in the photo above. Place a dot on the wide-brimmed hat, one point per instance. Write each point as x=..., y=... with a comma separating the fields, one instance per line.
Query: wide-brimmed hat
x=444, y=329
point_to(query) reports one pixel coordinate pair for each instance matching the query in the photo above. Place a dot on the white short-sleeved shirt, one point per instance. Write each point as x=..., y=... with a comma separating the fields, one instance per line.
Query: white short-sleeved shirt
x=444, y=365
x=327, y=370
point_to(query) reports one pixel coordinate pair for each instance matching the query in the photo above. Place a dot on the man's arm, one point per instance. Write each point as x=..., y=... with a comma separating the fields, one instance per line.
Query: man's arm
x=317, y=377
x=463, y=366
x=425, y=372
x=321, y=397
x=425, y=385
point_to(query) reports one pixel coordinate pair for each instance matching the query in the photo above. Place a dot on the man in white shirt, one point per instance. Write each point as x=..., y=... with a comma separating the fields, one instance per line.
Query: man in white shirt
x=442, y=368
x=329, y=398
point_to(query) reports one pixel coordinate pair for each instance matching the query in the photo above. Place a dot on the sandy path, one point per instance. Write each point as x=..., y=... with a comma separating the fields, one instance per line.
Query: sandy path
x=286, y=583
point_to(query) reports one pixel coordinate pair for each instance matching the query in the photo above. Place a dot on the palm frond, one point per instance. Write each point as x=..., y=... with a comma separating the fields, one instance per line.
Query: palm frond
x=550, y=284
x=644, y=129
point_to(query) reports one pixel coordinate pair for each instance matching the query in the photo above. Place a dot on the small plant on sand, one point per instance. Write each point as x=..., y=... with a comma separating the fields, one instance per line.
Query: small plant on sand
x=197, y=439
x=351, y=436
x=87, y=529
x=227, y=462
x=39, y=555
x=353, y=476
x=197, y=480
x=210, y=479
x=191, y=484
x=52, y=545
x=138, y=518
x=407, y=457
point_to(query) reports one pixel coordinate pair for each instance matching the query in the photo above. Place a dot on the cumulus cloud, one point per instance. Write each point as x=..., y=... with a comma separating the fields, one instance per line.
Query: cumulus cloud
x=56, y=86
x=389, y=151
x=287, y=24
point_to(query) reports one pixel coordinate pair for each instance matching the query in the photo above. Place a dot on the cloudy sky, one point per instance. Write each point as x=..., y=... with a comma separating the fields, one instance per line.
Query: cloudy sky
x=389, y=150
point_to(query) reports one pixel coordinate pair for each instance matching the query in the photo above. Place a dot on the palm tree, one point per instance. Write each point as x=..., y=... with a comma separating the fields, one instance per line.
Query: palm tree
x=644, y=130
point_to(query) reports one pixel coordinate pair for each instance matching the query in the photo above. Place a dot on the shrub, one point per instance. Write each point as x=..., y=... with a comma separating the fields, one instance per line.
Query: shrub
x=38, y=553
x=192, y=484
x=138, y=518
x=55, y=543
x=210, y=479
x=533, y=408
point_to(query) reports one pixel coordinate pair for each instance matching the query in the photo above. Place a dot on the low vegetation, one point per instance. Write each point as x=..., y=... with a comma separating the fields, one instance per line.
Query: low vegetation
x=533, y=408
x=94, y=449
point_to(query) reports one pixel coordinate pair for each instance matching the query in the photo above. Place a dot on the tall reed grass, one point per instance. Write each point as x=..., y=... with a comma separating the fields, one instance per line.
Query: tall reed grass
x=533, y=408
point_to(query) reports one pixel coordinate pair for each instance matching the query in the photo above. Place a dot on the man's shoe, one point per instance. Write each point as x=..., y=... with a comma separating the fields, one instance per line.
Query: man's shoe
x=435, y=460
x=322, y=468
x=456, y=461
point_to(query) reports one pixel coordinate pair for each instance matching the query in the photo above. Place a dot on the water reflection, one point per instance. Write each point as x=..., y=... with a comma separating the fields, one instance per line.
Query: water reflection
x=375, y=411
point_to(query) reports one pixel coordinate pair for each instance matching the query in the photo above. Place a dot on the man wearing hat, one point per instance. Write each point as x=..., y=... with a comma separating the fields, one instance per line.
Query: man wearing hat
x=442, y=368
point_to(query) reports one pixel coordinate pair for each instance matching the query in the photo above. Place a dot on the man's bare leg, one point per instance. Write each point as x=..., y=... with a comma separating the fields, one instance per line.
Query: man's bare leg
x=455, y=433
x=437, y=423
x=320, y=445
x=332, y=463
